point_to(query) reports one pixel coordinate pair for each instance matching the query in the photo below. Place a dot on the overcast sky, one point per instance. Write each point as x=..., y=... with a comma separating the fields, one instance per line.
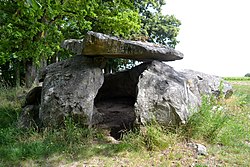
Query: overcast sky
x=214, y=35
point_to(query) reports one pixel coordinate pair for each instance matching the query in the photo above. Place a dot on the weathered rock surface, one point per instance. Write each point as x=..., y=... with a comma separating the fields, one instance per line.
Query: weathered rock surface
x=69, y=89
x=151, y=91
x=34, y=96
x=98, y=44
x=74, y=45
x=205, y=84
x=163, y=96
x=29, y=117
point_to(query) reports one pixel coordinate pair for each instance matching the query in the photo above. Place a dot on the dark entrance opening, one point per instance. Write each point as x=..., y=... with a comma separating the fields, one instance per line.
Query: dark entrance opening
x=115, y=101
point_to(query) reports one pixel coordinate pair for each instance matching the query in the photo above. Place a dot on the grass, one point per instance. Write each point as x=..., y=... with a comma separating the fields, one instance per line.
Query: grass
x=237, y=78
x=222, y=126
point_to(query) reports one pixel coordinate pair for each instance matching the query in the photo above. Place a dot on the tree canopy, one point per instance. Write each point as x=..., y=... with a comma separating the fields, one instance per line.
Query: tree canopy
x=35, y=28
x=157, y=27
x=32, y=30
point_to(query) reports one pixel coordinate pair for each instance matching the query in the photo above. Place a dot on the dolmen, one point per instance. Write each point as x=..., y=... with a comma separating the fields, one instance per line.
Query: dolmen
x=77, y=88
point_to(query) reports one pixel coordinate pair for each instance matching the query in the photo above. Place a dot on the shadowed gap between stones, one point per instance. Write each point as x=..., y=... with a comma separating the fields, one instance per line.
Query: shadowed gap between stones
x=114, y=103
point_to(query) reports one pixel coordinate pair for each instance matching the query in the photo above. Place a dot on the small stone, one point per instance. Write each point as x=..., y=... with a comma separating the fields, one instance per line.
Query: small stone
x=201, y=149
x=112, y=140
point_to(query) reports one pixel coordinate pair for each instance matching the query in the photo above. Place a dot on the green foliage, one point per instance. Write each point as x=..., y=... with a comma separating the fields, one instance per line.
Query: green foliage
x=115, y=65
x=237, y=78
x=243, y=92
x=200, y=165
x=17, y=144
x=157, y=138
x=117, y=18
x=34, y=28
x=157, y=27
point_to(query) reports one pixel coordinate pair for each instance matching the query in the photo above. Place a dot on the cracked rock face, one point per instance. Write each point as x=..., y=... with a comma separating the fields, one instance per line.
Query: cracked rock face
x=164, y=96
x=98, y=44
x=69, y=89
x=205, y=84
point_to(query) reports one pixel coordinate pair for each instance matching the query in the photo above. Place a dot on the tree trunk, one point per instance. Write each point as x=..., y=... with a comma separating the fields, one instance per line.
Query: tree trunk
x=6, y=75
x=17, y=74
x=30, y=73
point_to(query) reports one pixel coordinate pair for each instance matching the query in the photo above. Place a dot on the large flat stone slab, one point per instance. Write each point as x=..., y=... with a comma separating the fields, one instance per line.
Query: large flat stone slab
x=98, y=44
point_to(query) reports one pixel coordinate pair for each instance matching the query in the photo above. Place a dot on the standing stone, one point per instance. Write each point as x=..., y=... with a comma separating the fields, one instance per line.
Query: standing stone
x=163, y=96
x=69, y=89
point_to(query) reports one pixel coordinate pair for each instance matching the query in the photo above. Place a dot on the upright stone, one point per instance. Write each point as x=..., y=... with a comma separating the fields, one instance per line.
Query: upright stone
x=69, y=89
x=163, y=96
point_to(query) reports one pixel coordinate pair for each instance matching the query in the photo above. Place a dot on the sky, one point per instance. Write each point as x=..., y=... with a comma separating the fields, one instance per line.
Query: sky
x=214, y=35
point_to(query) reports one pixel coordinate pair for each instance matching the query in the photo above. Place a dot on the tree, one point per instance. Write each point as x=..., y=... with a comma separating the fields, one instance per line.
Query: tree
x=155, y=27
x=31, y=31
x=158, y=28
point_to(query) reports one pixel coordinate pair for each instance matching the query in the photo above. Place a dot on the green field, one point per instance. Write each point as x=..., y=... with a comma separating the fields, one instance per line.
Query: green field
x=224, y=130
x=237, y=78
